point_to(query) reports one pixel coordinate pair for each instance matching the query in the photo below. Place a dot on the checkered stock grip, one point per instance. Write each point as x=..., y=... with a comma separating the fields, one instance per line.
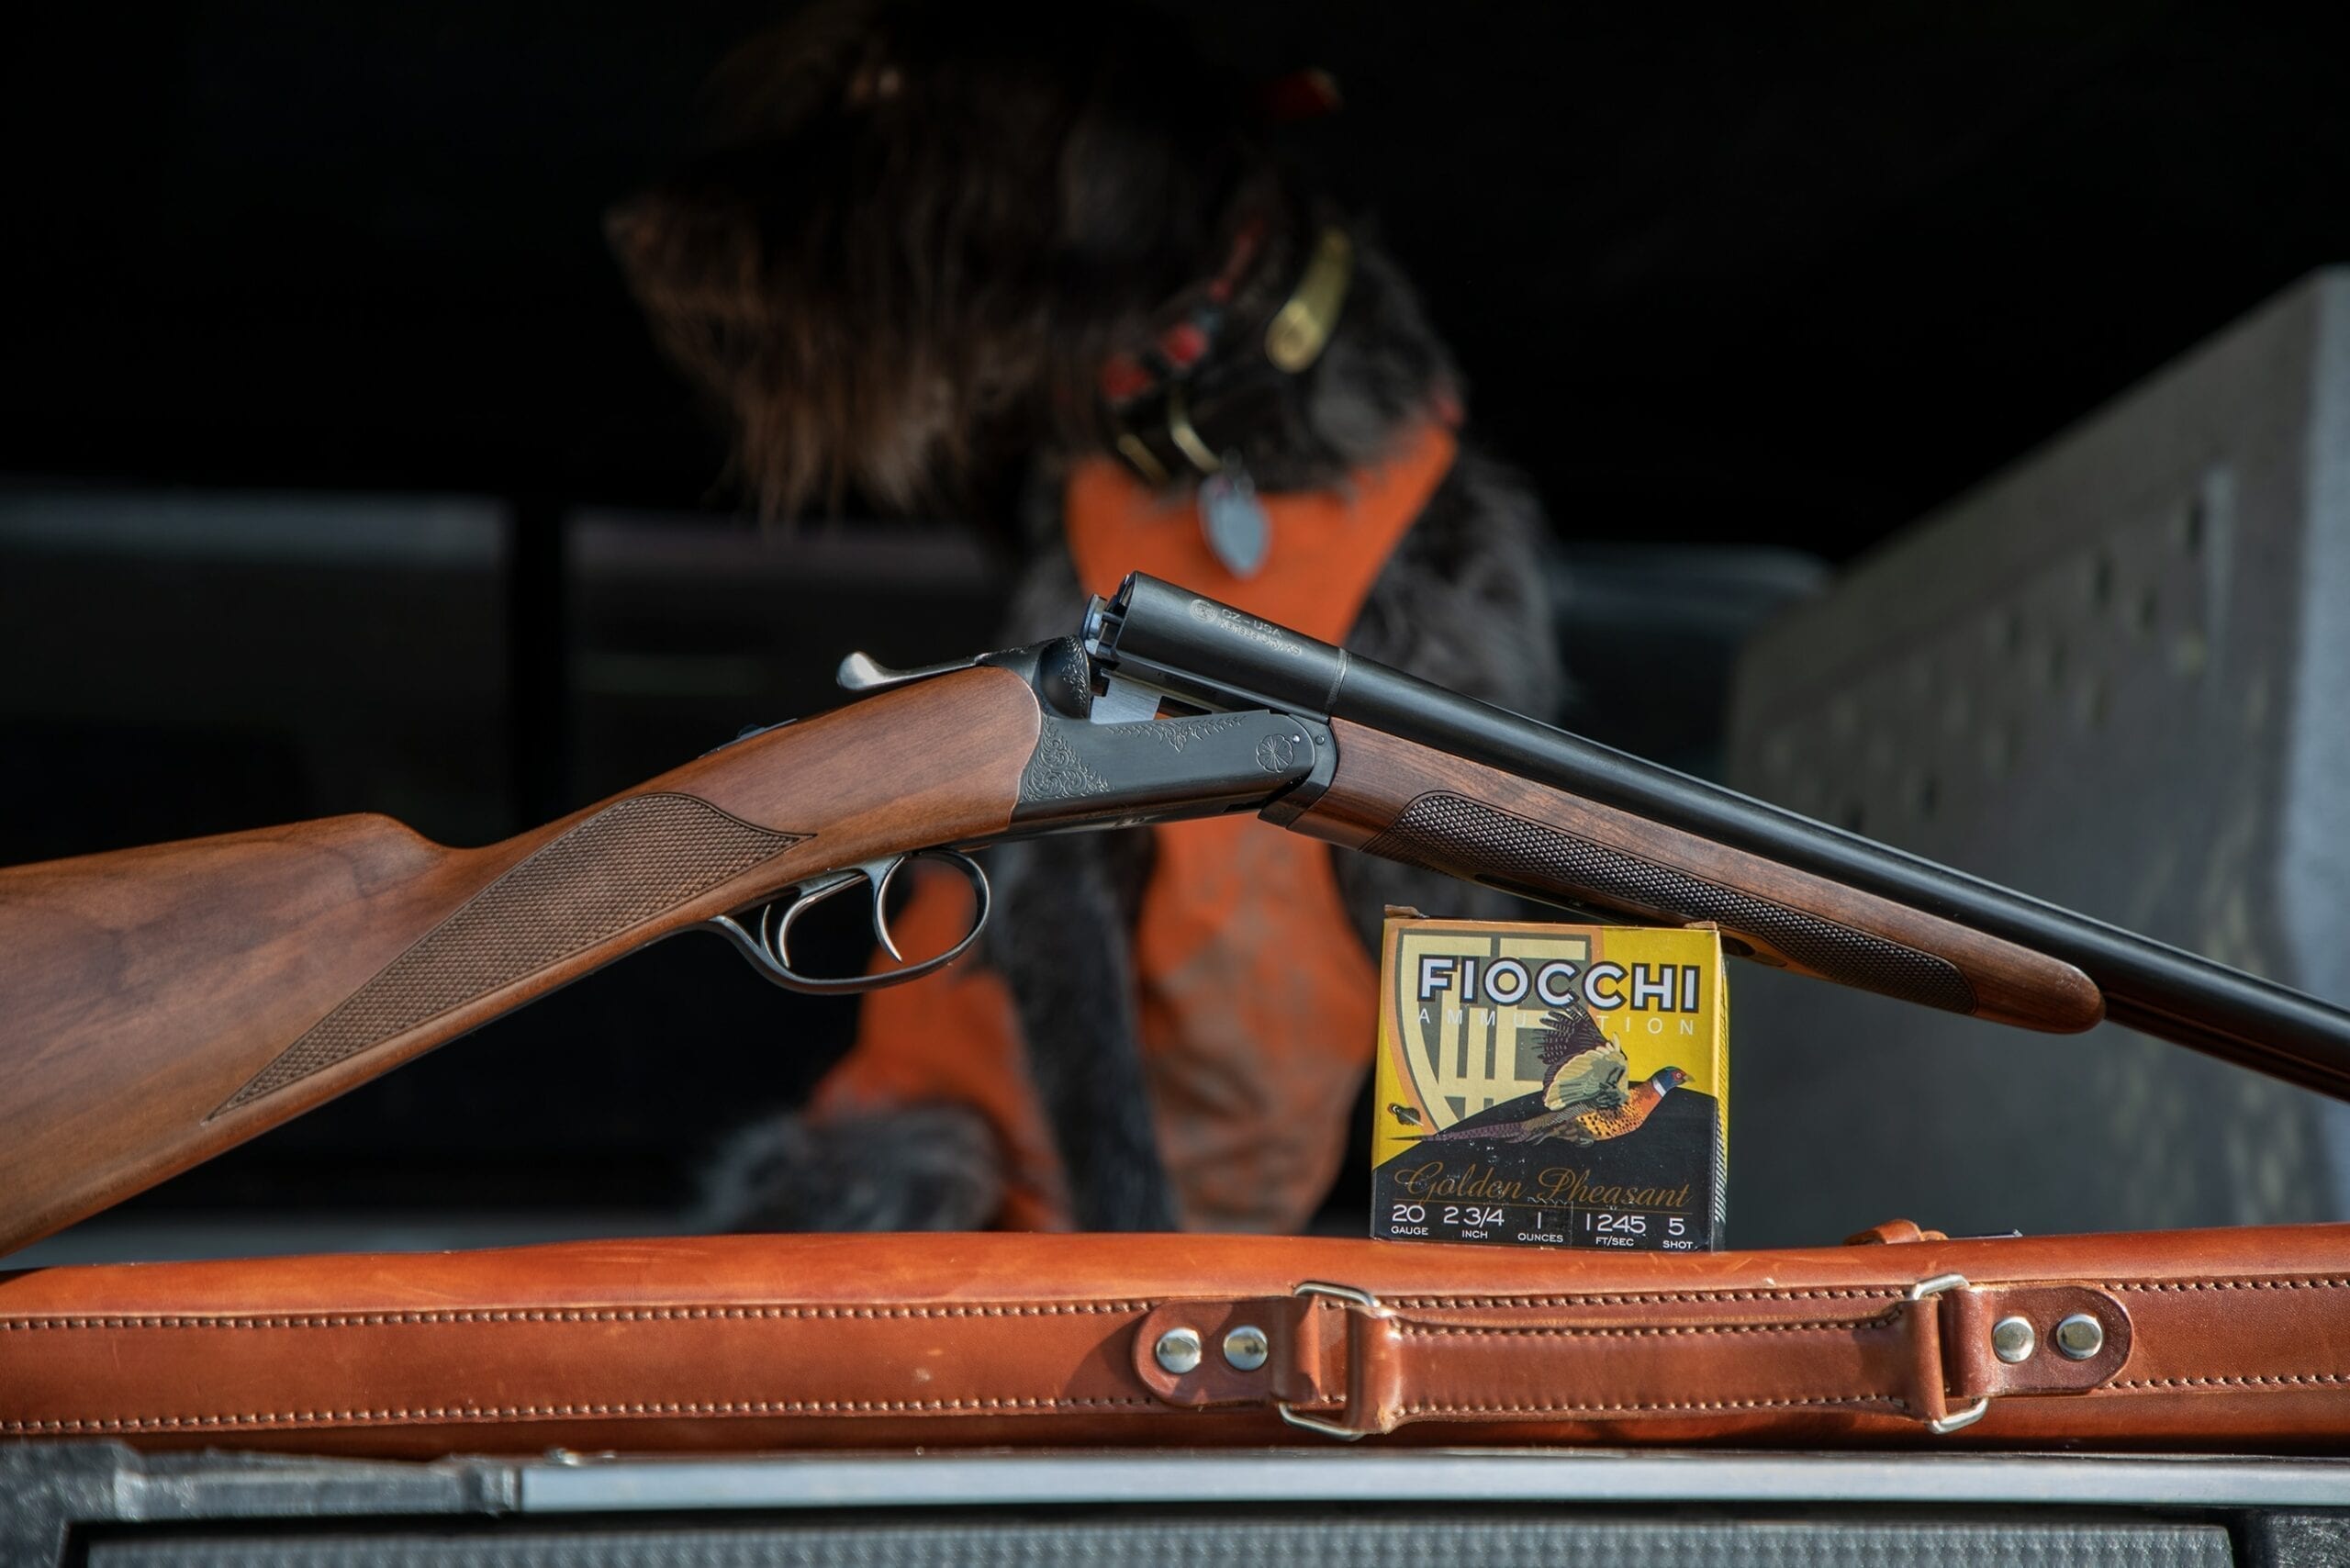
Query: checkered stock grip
x=627, y=865
x=1454, y=834
x=1405, y=801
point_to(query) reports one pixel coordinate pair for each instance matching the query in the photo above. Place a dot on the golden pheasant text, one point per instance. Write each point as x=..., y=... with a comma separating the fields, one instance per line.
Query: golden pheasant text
x=1559, y=1185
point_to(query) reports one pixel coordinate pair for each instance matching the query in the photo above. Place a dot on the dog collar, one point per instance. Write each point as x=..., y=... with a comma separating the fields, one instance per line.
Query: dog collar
x=1178, y=407
x=1331, y=542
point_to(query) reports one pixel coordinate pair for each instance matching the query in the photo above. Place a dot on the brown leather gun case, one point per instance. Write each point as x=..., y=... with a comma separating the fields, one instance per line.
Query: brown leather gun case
x=2223, y=1339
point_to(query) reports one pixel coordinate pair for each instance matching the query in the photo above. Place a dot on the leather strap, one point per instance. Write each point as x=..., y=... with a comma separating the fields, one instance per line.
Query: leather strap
x=1342, y=1362
x=1893, y=1232
x=2217, y=1341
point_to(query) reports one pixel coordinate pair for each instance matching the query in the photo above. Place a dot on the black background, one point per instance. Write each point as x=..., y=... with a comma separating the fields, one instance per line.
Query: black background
x=1788, y=276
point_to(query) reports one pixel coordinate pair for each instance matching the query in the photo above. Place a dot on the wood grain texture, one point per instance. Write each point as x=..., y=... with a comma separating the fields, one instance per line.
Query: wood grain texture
x=1395, y=797
x=163, y=1004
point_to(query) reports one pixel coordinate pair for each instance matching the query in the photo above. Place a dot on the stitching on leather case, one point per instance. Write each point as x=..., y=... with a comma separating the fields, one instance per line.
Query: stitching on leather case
x=1443, y=1330
x=1883, y=1292
x=2229, y=1382
x=521, y=1412
x=2311, y=1282
x=579, y=1315
x=1893, y=1400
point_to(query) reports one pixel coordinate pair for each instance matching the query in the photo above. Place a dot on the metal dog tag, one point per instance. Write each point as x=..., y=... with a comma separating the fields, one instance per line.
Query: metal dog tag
x=1234, y=519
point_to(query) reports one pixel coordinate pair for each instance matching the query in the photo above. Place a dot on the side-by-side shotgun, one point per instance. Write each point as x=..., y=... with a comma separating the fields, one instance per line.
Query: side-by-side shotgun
x=159, y=1005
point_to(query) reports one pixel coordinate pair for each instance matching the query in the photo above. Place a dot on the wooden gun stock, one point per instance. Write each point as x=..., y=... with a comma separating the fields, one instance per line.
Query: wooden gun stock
x=1400, y=800
x=163, y=1005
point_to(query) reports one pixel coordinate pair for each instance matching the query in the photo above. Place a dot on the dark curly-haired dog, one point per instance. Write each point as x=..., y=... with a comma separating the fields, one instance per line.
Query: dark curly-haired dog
x=923, y=232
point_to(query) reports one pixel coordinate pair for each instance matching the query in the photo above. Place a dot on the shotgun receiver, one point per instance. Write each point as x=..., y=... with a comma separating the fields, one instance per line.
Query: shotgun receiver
x=163, y=1004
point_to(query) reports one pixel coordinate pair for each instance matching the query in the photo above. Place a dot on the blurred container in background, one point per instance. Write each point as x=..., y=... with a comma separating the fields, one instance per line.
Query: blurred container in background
x=2116, y=675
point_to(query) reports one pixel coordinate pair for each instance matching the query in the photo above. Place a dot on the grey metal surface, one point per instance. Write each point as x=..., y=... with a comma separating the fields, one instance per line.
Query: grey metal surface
x=1371, y=1476
x=2115, y=676
x=2296, y=1540
x=48, y=1492
x=1183, y=1538
x=60, y=1497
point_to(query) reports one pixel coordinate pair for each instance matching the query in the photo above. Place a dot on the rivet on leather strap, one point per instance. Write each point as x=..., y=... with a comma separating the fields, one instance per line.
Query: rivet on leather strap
x=1970, y=1349
x=1329, y=1362
x=1341, y=1361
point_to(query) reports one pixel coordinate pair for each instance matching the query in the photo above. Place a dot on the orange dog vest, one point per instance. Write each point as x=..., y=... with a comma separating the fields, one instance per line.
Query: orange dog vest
x=1257, y=1000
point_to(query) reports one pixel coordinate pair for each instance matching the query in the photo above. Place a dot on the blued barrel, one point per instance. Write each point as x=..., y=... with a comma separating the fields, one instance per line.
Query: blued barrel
x=1171, y=636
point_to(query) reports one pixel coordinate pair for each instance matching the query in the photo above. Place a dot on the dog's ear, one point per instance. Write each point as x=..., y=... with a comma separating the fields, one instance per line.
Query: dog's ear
x=658, y=235
x=821, y=395
x=693, y=256
x=686, y=247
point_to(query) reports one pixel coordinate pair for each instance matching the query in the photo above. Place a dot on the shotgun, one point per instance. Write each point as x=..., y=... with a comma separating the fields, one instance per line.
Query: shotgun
x=164, y=1003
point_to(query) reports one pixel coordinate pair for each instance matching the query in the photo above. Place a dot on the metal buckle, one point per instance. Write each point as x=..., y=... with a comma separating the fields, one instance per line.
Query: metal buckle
x=1361, y=1301
x=1974, y=1412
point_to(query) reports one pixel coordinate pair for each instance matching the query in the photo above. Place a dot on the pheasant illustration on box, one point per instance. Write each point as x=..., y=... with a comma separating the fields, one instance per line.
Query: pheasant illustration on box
x=1551, y=1086
x=1587, y=1095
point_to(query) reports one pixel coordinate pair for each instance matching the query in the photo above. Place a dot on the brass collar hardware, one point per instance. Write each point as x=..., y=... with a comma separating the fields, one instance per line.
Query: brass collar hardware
x=1137, y=453
x=1177, y=415
x=1185, y=436
x=1301, y=328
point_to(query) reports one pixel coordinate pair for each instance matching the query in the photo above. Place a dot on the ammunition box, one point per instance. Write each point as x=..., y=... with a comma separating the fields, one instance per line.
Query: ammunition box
x=1551, y=1086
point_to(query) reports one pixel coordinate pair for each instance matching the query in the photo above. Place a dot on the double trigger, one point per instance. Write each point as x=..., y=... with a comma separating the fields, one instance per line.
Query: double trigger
x=1101, y=759
x=763, y=935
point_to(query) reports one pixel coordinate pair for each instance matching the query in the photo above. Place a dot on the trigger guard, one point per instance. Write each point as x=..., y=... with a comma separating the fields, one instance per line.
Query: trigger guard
x=763, y=944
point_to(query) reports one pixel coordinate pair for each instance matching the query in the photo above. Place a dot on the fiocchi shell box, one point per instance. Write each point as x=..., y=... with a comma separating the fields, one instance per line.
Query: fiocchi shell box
x=1551, y=1086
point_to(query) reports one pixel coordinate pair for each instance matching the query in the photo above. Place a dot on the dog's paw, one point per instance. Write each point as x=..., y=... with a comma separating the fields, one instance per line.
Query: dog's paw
x=919, y=1168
